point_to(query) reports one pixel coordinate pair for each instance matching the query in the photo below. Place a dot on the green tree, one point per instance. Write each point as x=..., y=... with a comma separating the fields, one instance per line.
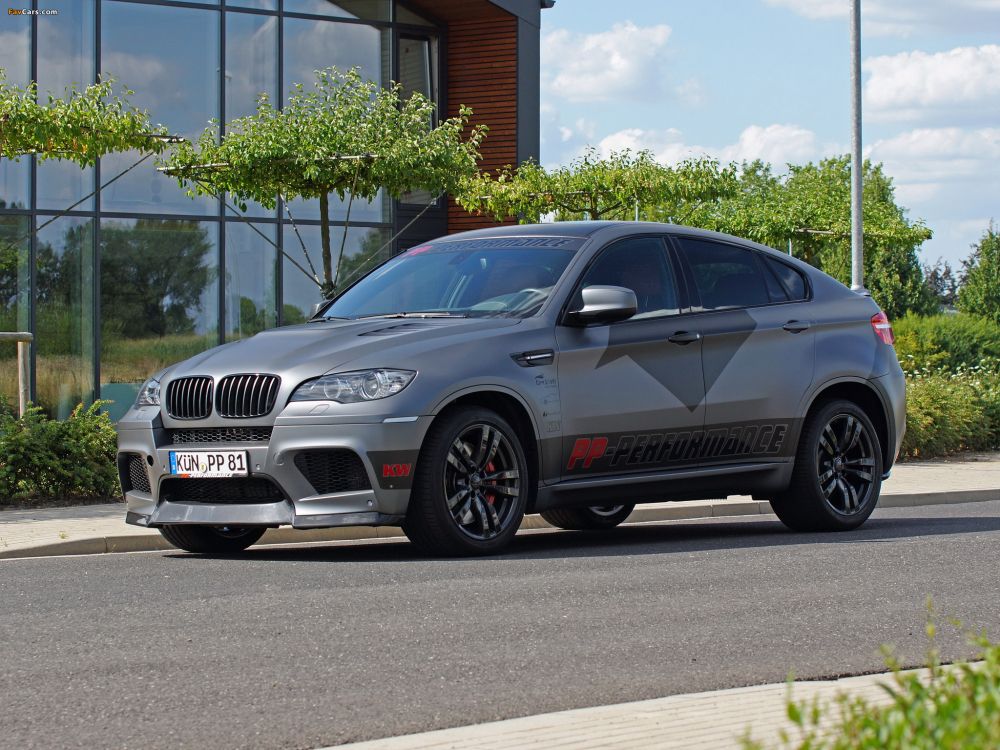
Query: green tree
x=810, y=209
x=980, y=290
x=81, y=126
x=346, y=136
x=594, y=187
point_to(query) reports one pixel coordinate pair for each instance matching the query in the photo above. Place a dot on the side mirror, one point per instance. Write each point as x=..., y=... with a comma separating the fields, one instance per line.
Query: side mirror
x=604, y=304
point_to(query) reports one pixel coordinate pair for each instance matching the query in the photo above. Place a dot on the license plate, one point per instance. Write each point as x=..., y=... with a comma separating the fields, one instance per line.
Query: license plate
x=197, y=464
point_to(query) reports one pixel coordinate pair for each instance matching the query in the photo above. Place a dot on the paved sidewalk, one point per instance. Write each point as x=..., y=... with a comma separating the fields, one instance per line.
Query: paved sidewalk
x=89, y=529
x=704, y=721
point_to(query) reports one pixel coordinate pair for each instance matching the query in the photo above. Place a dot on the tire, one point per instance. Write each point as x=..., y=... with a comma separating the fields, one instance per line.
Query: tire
x=837, y=475
x=471, y=485
x=591, y=518
x=212, y=540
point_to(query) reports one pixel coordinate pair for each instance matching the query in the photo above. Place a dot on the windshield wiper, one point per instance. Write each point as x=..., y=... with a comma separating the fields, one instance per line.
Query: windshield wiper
x=428, y=314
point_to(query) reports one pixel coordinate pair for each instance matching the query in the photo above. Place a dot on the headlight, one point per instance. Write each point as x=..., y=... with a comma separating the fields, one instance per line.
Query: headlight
x=149, y=394
x=354, y=387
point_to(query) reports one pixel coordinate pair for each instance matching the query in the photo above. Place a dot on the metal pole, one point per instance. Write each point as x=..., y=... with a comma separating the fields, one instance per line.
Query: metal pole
x=857, y=217
x=23, y=381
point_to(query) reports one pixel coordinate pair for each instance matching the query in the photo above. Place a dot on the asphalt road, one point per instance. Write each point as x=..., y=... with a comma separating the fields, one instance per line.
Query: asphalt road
x=305, y=647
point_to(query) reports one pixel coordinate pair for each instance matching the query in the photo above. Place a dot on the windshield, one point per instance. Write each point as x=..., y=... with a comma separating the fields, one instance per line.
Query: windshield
x=495, y=277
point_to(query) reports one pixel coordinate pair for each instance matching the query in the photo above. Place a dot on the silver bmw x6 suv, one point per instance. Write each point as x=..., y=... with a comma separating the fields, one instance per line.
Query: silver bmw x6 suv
x=570, y=369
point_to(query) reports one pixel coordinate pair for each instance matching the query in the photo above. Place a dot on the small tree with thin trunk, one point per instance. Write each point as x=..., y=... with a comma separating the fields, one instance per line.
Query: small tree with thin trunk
x=592, y=187
x=347, y=136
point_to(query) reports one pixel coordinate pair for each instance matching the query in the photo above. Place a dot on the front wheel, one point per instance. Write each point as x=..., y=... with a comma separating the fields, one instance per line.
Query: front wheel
x=212, y=540
x=471, y=485
x=591, y=518
x=837, y=475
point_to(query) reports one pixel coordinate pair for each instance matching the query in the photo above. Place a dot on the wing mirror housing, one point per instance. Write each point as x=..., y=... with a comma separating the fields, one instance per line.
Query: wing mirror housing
x=604, y=304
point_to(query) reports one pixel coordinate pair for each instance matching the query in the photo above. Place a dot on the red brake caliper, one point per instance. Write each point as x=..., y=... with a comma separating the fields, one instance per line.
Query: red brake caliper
x=490, y=496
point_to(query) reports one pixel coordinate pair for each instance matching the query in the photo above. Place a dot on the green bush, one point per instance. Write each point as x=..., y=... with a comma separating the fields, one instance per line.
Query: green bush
x=42, y=459
x=949, y=708
x=947, y=412
x=946, y=342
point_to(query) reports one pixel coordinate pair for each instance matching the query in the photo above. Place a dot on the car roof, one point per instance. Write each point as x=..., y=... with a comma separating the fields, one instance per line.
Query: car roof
x=591, y=228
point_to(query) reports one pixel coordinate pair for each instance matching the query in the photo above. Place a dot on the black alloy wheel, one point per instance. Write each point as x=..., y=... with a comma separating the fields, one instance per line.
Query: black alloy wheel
x=212, y=540
x=471, y=485
x=590, y=518
x=837, y=476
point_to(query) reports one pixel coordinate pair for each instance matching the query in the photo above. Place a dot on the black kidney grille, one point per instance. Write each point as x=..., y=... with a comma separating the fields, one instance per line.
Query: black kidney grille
x=189, y=398
x=132, y=472
x=246, y=396
x=221, y=435
x=234, y=490
x=336, y=470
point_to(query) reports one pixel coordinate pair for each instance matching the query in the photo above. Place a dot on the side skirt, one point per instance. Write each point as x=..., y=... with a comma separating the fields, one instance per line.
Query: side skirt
x=702, y=483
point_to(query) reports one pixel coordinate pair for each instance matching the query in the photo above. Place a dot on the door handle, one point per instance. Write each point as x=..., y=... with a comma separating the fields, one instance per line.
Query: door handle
x=796, y=326
x=684, y=337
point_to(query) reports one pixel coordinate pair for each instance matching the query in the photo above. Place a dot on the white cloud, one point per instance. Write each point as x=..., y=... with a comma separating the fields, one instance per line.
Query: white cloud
x=903, y=17
x=627, y=61
x=778, y=144
x=960, y=84
x=948, y=176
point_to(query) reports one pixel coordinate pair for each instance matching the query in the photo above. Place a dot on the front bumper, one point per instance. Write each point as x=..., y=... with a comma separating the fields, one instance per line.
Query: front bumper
x=388, y=452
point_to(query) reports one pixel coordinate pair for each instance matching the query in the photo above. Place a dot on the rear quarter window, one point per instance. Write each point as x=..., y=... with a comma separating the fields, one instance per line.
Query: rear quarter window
x=792, y=280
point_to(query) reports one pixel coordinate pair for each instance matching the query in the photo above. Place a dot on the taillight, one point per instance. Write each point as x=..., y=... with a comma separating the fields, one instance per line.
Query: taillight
x=883, y=328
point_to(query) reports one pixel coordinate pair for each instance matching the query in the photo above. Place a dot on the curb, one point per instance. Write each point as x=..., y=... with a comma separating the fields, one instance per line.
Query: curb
x=139, y=542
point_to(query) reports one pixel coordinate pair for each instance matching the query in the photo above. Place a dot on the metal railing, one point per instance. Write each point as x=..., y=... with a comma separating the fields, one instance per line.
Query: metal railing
x=23, y=339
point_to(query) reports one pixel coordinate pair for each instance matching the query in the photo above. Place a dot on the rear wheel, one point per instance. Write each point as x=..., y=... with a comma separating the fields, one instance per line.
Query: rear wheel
x=838, y=472
x=471, y=485
x=591, y=518
x=212, y=540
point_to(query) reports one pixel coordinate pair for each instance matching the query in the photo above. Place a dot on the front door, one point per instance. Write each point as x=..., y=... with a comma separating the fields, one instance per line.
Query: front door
x=632, y=392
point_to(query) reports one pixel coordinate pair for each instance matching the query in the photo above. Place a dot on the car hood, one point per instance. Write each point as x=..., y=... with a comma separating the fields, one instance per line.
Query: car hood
x=311, y=349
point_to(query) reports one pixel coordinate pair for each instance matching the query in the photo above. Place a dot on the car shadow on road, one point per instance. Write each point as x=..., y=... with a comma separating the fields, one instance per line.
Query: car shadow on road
x=640, y=539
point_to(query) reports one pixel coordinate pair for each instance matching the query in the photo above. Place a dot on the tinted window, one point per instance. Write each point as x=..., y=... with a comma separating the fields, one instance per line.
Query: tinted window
x=774, y=286
x=725, y=275
x=639, y=264
x=791, y=280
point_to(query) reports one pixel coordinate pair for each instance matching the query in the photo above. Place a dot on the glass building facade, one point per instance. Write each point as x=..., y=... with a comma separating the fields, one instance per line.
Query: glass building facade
x=139, y=275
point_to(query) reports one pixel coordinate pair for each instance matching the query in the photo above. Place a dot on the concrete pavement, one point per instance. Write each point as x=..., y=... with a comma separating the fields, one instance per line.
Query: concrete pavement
x=91, y=529
x=714, y=720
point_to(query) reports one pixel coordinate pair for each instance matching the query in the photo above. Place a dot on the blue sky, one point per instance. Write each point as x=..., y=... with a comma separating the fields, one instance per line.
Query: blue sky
x=742, y=79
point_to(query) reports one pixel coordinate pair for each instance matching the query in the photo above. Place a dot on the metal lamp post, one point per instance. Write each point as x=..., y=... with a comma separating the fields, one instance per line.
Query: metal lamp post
x=857, y=166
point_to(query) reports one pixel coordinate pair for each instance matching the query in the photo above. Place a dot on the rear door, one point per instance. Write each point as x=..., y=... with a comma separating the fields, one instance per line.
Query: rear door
x=632, y=392
x=758, y=348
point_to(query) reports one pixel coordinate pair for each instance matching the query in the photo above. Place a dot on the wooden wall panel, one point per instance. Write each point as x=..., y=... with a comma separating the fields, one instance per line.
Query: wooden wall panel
x=482, y=74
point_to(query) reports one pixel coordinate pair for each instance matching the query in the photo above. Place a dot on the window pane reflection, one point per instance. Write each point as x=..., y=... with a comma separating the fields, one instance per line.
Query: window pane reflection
x=251, y=266
x=65, y=60
x=174, y=73
x=14, y=297
x=361, y=251
x=159, y=298
x=64, y=315
x=366, y=10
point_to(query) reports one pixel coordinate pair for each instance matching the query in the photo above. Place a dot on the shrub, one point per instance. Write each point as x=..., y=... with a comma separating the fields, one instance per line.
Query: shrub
x=946, y=342
x=956, y=707
x=50, y=460
x=947, y=412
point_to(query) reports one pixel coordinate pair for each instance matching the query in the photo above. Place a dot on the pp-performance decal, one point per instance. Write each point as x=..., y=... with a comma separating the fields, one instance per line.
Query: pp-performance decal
x=619, y=452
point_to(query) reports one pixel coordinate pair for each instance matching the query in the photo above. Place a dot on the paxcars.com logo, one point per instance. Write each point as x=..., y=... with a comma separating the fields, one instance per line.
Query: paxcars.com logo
x=30, y=12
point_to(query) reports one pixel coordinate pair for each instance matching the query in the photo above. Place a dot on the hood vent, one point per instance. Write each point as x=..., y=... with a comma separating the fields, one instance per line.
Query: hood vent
x=189, y=398
x=246, y=396
x=399, y=328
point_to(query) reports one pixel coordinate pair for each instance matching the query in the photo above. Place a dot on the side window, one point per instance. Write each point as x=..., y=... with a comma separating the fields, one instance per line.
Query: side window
x=639, y=264
x=792, y=281
x=725, y=275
